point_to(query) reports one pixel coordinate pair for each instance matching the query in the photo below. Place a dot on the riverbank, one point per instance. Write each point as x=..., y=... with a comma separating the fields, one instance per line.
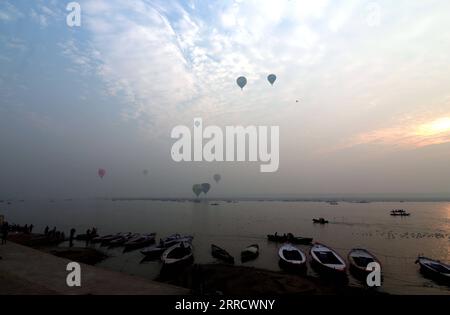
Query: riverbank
x=223, y=279
x=24, y=270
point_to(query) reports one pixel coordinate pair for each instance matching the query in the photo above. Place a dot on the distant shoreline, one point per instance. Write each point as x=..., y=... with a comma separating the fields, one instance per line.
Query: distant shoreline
x=327, y=200
x=240, y=199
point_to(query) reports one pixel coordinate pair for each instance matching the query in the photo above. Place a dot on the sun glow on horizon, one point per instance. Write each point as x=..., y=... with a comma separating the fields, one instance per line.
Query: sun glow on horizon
x=436, y=127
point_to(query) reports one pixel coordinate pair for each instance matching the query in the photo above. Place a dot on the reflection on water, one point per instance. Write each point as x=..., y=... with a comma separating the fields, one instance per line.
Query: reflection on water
x=396, y=241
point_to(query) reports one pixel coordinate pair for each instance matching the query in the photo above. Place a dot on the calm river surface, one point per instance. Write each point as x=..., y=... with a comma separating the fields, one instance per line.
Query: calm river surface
x=234, y=225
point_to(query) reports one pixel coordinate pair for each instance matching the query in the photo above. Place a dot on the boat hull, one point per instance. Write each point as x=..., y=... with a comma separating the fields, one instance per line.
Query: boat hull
x=339, y=269
x=430, y=273
x=221, y=254
x=187, y=258
x=138, y=245
x=250, y=253
x=359, y=271
x=294, y=264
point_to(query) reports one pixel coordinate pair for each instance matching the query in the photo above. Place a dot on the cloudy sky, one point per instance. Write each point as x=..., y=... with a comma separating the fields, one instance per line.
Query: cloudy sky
x=362, y=96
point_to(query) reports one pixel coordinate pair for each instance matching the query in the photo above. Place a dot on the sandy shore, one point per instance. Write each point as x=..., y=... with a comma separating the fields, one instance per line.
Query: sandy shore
x=248, y=281
x=24, y=270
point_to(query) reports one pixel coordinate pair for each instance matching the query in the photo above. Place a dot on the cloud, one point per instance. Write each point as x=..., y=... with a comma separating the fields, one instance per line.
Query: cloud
x=167, y=60
x=414, y=132
x=170, y=62
x=8, y=12
x=41, y=19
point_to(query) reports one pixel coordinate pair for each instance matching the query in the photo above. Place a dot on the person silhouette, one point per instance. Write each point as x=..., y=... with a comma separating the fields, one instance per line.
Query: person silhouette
x=72, y=234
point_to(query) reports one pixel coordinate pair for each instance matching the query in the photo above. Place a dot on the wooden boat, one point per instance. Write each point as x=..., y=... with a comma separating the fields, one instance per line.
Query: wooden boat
x=177, y=254
x=153, y=252
x=120, y=241
x=327, y=260
x=434, y=269
x=105, y=240
x=291, y=257
x=84, y=237
x=250, y=253
x=99, y=239
x=156, y=251
x=400, y=213
x=277, y=238
x=139, y=242
x=300, y=240
x=175, y=239
x=221, y=254
x=289, y=238
x=320, y=221
x=358, y=260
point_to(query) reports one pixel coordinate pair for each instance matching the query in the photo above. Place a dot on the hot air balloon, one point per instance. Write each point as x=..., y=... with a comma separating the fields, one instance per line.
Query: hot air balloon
x=197, y=189
x=241, y=82
x=217, y=178
x=101, y=173
x=272, y=78
x=145, y=172
x=206, y=187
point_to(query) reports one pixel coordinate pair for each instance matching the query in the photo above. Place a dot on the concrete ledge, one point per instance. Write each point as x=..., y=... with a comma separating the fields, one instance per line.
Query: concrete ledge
x=24, y=270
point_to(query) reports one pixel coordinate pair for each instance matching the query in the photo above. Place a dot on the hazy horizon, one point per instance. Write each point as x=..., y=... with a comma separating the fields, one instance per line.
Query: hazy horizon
x=361, y=96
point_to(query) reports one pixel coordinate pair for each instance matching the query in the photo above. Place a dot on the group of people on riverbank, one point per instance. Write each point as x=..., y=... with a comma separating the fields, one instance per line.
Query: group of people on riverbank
x=4, y=229
x=54, y=234
x=27, y=229
x=88, y=237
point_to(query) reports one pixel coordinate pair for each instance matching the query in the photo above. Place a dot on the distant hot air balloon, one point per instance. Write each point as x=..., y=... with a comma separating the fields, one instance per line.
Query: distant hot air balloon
x=145, y=172
x=206, y=187
x=217, y=178
x=197, y=189
x=241, y=82
x=272, y=78
x=101, y=173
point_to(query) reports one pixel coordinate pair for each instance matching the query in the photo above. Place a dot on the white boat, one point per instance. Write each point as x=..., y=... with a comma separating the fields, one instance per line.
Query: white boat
x=291, y=256
x=359, y=259
x=327, y=260
x=178, y=253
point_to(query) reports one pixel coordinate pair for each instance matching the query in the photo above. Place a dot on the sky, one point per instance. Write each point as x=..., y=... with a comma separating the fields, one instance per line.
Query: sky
x=362, y=96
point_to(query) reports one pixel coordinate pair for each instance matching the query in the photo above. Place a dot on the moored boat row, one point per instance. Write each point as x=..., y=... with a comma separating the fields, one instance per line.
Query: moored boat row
x=177, y=249
x=128, y=241
x=327, y=261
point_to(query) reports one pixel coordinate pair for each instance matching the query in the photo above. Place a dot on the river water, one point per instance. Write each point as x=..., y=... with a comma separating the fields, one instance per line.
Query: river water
x=234, y=225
